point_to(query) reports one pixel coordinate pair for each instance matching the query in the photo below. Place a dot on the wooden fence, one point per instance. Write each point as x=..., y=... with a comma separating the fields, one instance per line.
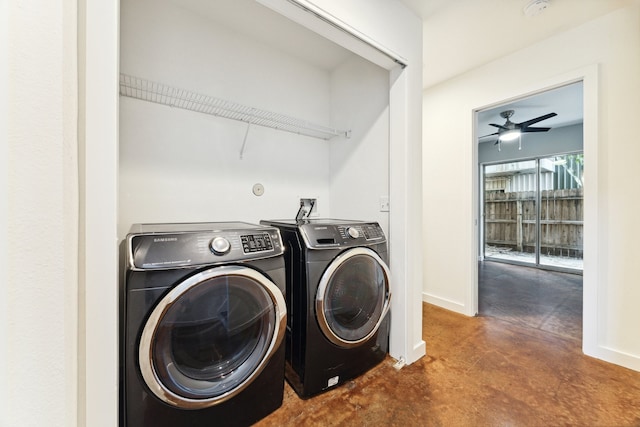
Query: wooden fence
x=510, y=221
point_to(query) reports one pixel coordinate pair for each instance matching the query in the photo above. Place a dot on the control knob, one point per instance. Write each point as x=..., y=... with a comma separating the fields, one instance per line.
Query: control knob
x=353, y=232
x=220, y=246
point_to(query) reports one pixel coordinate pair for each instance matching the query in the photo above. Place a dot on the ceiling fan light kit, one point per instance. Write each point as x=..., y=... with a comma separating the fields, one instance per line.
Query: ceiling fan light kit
x=536, y=7
x=510, y=135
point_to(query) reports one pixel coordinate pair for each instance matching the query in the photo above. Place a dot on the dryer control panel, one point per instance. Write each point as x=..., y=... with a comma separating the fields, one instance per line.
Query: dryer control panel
x=321, y=236
x=166, y=246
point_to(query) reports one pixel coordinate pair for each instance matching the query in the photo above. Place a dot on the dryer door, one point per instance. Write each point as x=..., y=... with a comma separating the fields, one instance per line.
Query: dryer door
x=211, y=335
x=353, y=297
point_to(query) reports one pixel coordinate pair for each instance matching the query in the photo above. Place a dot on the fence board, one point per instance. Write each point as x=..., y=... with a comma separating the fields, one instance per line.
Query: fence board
x=561, y=218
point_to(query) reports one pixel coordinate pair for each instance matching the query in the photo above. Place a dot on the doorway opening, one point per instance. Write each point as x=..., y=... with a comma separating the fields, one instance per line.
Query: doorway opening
x=531, y=207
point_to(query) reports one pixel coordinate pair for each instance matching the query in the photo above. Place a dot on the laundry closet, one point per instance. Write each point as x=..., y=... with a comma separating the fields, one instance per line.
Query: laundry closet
x=309, y=119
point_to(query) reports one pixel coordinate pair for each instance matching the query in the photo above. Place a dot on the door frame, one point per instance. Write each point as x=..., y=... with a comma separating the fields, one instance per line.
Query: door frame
x=592, y=288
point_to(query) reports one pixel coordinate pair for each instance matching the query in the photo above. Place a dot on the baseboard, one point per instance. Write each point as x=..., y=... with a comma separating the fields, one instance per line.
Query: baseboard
x=444, y=303
x=614, y=356
x=419, y=350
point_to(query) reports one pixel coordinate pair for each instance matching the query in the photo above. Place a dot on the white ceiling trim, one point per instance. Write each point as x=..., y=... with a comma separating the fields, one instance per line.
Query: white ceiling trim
x=316, y=19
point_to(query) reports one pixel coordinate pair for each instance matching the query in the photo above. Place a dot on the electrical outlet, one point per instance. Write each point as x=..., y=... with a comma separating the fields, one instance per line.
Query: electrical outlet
x=384, y=203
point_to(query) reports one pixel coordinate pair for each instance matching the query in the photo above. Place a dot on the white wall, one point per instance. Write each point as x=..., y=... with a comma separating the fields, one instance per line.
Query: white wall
x=181, y=166
x=39, y=282
x=360, y=165
x=613, y=43
x=4, y=195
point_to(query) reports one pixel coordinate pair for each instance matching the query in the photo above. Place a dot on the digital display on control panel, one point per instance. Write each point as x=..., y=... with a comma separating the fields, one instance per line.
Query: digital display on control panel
x=256, y=243
x=372, y=232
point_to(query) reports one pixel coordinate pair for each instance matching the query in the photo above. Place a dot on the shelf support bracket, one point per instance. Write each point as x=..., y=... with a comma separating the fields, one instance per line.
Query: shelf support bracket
x=244, y=142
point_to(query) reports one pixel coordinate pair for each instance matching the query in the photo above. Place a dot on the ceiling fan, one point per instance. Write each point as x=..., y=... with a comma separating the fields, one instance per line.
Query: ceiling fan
x=511, y=130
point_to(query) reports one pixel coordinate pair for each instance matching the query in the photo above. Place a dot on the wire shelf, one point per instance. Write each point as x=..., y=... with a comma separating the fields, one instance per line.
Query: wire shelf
x=136, y=87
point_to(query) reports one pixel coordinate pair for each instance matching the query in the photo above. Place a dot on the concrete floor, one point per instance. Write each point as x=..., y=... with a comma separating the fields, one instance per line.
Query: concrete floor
x=492, y=252
x=541, y=299
x=492, y=370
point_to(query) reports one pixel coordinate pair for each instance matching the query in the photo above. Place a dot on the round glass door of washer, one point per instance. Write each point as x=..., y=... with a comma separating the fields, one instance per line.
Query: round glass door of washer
x=211, y=335
x=353, y=297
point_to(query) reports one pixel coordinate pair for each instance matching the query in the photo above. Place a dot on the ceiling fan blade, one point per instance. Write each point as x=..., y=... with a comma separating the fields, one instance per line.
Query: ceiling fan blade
x=499, y=126
x=536, y=120
x=491, y=134
x=527, y=130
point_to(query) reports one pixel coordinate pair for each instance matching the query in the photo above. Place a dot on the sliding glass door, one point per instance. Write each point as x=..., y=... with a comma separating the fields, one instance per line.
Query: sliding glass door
x=510, y=211
x=532, y=212
x=561, y=211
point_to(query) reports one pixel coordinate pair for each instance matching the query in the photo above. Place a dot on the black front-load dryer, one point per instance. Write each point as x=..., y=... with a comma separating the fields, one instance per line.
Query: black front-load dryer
x=337, y=300
x=204, y=318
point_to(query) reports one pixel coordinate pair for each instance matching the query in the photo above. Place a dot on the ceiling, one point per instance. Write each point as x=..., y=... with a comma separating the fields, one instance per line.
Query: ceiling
x=257, y=22
x=565, y=101
x=460, y=35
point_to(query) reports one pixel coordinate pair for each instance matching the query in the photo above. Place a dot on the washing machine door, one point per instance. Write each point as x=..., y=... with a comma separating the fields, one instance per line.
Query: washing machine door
x=211, y=335
x=353, y=297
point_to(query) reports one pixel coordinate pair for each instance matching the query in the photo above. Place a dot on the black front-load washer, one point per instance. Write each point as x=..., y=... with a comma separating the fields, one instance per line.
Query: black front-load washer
x=204, y=318
x=337, y=300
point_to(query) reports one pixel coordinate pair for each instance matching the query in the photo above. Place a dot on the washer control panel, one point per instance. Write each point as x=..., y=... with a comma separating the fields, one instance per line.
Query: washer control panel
x=160, y=249
x=319, y=236
x=256, y=243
